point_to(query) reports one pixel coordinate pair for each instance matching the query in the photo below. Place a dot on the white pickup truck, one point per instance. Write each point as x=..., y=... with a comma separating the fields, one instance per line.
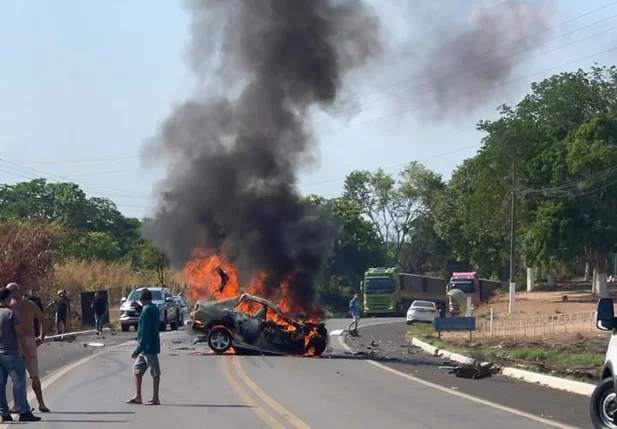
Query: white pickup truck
x=603, y=406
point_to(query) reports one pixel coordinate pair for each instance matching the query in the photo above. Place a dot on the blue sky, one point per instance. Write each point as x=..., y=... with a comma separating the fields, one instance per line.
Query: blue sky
x=83, y=84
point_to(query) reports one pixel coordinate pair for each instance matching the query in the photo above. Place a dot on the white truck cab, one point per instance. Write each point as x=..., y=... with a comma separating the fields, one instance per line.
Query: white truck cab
x=603, y=406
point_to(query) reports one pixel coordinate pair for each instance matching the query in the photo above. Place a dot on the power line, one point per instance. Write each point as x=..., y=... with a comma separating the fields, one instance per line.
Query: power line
x=132, y=155
x=399, y=165
x=13, y=165
x=404, y=111
x=491, y=51
x=129, y=155
x=569, y=189
x=468, y=94
x=373, y=104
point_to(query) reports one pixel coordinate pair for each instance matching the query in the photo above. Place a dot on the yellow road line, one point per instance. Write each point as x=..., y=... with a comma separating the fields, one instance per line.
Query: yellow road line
x=282, y=411
x=261, y=413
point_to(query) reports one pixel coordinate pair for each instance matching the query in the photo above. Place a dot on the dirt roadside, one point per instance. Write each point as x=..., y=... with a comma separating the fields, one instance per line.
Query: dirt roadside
x=575, y=356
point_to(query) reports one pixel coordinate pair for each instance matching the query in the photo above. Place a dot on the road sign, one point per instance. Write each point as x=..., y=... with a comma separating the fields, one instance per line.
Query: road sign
x=455, y=324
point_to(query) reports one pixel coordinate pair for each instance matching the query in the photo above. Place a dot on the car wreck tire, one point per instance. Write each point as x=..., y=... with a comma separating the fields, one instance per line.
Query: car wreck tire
x=219, y=340
x=125, y=327
x=318, y=345
x=603, y=405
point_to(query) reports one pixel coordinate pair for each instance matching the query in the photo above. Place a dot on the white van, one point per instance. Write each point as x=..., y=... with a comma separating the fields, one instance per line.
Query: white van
x=603, y=406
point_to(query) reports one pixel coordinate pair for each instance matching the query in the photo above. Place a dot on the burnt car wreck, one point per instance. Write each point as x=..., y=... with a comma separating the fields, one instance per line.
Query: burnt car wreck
x=249, y=324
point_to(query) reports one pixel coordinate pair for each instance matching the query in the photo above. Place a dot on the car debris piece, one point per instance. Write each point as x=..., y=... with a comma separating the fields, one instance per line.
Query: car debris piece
x=474, y=371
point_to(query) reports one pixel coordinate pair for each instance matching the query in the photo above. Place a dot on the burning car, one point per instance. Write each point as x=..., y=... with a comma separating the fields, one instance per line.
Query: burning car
x=248, y=323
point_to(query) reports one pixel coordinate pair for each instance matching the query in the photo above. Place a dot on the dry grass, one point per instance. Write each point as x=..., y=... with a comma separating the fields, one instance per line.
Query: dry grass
x=117, y=278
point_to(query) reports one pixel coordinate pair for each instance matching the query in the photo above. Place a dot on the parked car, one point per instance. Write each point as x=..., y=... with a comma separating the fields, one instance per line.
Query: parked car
x=603, y=404
x=185, y=314
x=422, y=311
x=252, y=324
x=169, y=308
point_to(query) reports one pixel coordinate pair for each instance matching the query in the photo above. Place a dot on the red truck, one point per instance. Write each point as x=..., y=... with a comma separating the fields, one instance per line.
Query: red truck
x=469, y=284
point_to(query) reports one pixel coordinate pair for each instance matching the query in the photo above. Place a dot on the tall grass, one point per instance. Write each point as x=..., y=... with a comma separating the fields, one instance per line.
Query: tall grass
x=117, y=278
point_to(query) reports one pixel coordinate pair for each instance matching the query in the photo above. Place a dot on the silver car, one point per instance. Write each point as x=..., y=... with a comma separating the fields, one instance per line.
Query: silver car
x=185, y=314
x=169, y=309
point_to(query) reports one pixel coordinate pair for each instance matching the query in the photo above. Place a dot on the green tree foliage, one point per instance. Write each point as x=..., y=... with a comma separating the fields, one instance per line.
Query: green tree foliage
x=391, y=205
x=93, y=228
x=357, y=246
x=560, y=142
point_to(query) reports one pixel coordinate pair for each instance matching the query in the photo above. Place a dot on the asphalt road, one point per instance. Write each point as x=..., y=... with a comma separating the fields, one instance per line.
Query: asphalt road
x=199, y=388
x=386, y=339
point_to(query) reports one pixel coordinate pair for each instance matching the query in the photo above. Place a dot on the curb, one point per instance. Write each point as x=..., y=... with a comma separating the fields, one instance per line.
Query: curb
x=553, y=382
x=74, y=334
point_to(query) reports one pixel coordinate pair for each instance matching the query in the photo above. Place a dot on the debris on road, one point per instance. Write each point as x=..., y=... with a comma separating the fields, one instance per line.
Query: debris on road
x=65, y=338
x=94, y=345
x=474, y=371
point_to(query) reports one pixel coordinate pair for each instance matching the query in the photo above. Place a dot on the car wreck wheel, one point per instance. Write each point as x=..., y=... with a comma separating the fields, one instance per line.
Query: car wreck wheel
x=219, y=340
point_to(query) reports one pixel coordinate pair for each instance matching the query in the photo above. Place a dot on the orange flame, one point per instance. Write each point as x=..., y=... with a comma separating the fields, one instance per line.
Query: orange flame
x=204, y=280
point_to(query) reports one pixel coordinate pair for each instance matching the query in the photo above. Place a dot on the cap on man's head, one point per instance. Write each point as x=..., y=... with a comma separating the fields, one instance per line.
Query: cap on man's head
x=13, y=287
x=5, y=294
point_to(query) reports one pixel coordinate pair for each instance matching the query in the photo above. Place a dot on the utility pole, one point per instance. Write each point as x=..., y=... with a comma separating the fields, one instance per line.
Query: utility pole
x=511, y=305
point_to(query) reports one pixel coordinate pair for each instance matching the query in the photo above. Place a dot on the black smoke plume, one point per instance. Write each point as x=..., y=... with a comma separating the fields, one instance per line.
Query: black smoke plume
x=234, y=151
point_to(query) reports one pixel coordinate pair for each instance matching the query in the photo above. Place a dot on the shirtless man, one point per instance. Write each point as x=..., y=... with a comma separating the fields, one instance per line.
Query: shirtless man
x=28, y=312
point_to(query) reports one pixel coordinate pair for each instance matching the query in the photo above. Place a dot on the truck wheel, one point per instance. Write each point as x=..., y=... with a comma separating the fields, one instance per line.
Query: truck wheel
x=125, y=327
x=603, y=405
x=219, y=340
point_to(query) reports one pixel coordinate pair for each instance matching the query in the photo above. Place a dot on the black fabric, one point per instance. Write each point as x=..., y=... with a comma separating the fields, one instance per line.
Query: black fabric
x=99, y=305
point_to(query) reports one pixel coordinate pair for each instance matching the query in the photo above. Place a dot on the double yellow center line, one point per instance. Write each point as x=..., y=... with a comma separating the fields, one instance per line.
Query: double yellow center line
x=262, y=396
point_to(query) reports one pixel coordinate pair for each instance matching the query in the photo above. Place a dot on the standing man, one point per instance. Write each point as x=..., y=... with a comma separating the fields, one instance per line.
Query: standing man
x=354, y=309
x=146, y=354
x=63, y=312
x=39, y=304
x=29, y=313
x=11, y=363
x=99, y=305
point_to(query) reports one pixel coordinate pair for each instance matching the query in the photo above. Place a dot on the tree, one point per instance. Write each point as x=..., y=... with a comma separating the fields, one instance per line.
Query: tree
x=356, y=248
x=95, y=222
x=577, y=214
x=392, y=205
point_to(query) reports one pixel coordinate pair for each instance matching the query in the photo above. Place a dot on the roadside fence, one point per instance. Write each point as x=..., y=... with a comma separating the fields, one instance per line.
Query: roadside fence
x=537, y=327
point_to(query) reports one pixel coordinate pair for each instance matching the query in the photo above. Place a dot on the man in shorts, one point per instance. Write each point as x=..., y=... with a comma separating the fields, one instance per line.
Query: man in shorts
x=11, y=363
x=146, y=354
x=354, y=309
x=28, y=313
